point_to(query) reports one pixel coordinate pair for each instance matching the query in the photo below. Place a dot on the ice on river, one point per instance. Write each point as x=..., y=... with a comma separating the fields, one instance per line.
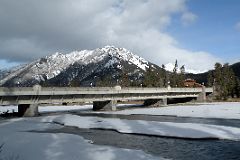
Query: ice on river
x=168, y=129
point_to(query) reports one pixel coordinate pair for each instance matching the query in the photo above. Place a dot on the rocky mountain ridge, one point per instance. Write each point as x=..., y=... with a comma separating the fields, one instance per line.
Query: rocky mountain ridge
x=86, y=66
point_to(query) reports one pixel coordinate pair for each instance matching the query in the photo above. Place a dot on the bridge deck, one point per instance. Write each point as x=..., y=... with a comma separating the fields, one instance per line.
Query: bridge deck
x=32, y=95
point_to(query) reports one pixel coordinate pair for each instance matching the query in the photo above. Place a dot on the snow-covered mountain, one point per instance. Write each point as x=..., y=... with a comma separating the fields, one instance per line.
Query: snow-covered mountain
x=170, y=66
x=87, y=66
x=1, y=74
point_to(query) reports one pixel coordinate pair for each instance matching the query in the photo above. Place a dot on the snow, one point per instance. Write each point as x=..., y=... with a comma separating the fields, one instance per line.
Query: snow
x=45, y=109
x=170, y=66
x=9, y=109
x=111, y=62
x=19, y=143
x=168, y=129
x=212, y=110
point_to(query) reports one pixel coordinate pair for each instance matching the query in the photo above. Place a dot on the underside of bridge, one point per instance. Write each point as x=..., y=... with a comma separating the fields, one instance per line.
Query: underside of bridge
x=28, y=110
x=156, y=102
x=105, y=105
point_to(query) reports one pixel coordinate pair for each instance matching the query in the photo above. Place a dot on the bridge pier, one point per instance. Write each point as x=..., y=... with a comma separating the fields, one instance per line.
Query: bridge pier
x=28, y=110
x=105, y=105
x=156, y=102
x=202, y=96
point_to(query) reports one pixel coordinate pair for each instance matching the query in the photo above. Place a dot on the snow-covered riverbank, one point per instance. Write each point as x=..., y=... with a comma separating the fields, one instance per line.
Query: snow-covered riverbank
x=228, y=110
x=50, y=108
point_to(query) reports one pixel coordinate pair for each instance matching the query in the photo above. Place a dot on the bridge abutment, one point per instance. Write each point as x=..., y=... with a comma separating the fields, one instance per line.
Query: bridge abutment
x=28, y=110
x=156, y=102
x=105, y=105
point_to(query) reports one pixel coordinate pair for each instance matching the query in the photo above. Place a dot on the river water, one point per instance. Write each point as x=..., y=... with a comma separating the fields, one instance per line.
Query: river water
x=170, y=148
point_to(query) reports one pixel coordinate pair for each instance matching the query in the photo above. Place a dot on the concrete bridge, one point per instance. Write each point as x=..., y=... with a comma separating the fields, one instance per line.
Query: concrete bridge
x=103, y=98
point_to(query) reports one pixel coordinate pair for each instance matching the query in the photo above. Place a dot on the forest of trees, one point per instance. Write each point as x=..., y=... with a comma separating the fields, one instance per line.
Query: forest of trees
x=224, y=81
x=163, y=78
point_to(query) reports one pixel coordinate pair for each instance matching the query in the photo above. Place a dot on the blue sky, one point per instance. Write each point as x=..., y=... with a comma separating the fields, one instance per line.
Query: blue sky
x=213, y=31
x=197, y=33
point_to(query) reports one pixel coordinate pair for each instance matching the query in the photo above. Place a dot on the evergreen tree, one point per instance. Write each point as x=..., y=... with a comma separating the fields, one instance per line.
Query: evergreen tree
x=181, y=77
x=228, y=81
x=174, y=77
x=237, y=87
x=125, y=80
x=104, y=81
x=44, y=83
x=218, y=80
x=210, y=79
x=165, y=78
x=74, y=83
x=182, y=69
x=152, y=78
x=148, y=78
x=175, y=67
x=224, y=82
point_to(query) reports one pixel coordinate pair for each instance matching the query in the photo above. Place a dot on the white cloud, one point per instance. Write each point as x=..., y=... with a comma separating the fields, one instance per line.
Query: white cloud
x=188, y=18
x=43, y=27
x=237, y=26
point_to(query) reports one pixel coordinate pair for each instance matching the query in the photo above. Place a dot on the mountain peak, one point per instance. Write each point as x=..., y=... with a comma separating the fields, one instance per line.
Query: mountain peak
x=125, y=55
x=106, y=58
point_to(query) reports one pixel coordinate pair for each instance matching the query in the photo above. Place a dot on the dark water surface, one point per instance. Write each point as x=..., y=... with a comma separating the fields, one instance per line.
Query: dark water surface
x=214, y=121
x=170, y=148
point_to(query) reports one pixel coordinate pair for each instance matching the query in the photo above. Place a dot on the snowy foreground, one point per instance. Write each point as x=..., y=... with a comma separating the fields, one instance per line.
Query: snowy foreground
x=21, y=141
x=210, y=110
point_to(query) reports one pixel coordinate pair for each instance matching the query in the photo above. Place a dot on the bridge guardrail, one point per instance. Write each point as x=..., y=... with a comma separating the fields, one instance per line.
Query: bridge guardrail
x=92, y=90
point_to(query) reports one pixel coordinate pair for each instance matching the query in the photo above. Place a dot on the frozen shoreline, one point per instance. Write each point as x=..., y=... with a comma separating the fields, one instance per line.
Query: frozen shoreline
x=225, y=110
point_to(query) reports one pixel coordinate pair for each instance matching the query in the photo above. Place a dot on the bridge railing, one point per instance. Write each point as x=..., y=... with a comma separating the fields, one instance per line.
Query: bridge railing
x=92, y=90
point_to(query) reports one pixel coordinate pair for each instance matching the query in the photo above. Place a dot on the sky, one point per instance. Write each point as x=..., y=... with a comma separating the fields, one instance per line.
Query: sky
x=198, y=33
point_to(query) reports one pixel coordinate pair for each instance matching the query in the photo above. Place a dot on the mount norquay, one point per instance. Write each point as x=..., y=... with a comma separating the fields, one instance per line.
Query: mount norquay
x=83, y=68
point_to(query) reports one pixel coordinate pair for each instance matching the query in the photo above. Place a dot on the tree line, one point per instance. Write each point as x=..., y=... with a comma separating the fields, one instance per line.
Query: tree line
x=225, y=83
x=162, y=78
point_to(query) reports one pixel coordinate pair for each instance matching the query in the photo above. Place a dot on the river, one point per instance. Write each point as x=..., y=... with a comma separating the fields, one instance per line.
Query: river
x=170, y=148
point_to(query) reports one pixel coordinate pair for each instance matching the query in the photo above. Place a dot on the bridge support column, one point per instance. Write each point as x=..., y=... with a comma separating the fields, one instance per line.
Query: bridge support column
x=105, y=105
x=28, y=110
x=156, y=102
x=202, y=96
